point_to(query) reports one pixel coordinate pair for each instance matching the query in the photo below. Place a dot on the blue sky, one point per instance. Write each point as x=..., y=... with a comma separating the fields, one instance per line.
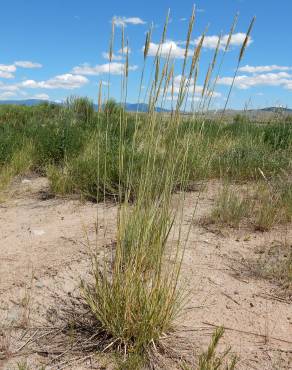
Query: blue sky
x=57, y=48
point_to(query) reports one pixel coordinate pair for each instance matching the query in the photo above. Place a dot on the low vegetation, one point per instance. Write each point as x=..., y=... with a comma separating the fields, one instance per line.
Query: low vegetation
x=210, y=360
x=69, y=148
x=262, y=205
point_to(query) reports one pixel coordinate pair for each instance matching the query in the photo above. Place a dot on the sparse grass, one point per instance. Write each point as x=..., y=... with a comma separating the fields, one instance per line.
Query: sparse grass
x=230, y=207
x=210, y=360
x=264, y=205
x=274, y=203
x=21, y=161
x=274, y=263
x=22, y=365
x=267, y=213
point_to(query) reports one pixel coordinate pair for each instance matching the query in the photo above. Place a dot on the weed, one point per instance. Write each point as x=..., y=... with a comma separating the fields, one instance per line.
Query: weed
x=22, y=365
x=210, y=360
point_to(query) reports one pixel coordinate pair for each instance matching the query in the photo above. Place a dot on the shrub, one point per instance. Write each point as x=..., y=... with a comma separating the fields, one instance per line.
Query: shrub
x=278, y=136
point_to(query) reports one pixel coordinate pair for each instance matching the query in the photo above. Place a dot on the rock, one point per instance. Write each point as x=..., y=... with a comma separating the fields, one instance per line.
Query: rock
x=39, y=284
x=37, y=232
x=14, y=315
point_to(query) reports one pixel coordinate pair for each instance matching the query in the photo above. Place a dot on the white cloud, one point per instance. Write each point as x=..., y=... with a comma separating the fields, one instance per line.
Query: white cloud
x=27, y=64
x=114, y=56
x=259, y=69
x=105, y=83
x=12, y=88
x=41, y=96
x=6, y=95
x=211, y=42
x=190, y=98
x=114, y=68
x=176, y=51
x=7, y=75
x=198, y=89
x=283, y=79
x=67, y=81
x=123, y=21
x=124, y=50
x=7, y=68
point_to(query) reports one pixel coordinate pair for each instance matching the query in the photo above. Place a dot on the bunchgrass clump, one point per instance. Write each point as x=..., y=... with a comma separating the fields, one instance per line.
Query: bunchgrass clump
x=274, y=203
x=230, y=207
x=267, y=213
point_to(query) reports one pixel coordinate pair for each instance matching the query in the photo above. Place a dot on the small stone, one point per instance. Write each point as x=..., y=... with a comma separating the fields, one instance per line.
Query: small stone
x=37, y=232
x=39, y=284
x=13, y=315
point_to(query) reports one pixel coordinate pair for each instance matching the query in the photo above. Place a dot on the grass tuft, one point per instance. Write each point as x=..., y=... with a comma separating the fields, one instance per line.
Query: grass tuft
x=230, y=208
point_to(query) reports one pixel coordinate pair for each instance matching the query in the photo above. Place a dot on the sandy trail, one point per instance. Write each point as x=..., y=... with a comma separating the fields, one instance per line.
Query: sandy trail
x=43, y=251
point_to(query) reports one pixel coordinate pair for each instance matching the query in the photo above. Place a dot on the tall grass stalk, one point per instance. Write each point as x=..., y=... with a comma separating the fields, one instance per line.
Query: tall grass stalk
x=240, y=57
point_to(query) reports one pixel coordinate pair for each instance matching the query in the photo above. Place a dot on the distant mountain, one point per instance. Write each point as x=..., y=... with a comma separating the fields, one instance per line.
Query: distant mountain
x=276, y=109
x=26, y=102
x=142, y=107
x=130, y=107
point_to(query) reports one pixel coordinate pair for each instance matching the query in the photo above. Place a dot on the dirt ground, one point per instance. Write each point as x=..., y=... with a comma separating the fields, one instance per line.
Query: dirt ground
x=44, y=253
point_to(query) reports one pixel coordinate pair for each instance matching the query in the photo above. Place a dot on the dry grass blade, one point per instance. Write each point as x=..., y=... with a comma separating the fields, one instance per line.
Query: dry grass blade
x=100, y=97
x=112, y=42
x=245, y=42
x=231, y=32
x=123, y=39
x=241, y=54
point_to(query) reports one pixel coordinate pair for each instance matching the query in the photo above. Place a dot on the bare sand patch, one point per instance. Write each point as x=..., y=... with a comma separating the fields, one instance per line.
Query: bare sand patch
x=43, y=255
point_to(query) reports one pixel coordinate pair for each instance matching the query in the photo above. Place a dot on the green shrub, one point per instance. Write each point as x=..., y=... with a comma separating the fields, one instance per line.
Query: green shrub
x=243, y=161
x=278, y=136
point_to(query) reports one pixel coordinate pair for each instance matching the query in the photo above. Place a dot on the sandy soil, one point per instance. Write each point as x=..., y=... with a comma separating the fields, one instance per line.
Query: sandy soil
x=44, y=252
